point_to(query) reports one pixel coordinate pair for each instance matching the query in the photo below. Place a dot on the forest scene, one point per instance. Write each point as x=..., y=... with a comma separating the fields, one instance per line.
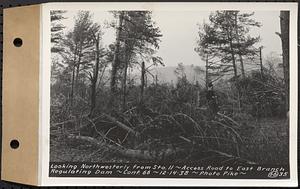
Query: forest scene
x=125, y=89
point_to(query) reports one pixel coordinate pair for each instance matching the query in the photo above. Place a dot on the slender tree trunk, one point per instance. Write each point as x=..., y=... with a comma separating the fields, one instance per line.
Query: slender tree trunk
x=142, y=81
x=233, y=59
x=72, y=86
x=76, y=79
x=260, y=61
x=229, y=38
x=76, y=74
x=239, y=49
x=73, y=78
x=124, y=84
x=95, y=77
x=115, y=63
x=284, y=25
x=206, y=72
x=197, y=96
x=242, y=65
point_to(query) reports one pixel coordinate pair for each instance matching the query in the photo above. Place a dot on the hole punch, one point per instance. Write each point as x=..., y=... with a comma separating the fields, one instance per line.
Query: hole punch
x=14, y=144
x=18, y=42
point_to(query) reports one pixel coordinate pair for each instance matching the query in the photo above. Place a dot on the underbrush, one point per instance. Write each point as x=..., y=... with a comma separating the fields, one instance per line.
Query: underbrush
x=179, y=137
x=174, y=124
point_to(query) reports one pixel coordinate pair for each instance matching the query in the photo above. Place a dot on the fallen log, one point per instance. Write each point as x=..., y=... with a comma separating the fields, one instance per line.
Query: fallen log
x=131, y=153
x=62, y=123
x=231, y=156
x=91, y=140
x=223, y=115
x=146, y=154
x=122, y=125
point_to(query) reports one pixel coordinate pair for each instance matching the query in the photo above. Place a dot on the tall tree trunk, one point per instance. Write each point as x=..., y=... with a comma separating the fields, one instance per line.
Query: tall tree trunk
x=260, y=61
x=77, y=71
x=124, y=86
x=72, y=86
x=233, y=59
x=142, y=81
x=76, y=78
x=124, y=82
x=73, y=78
x=95, y=77
x=242, y=65
x=115, y=63
x=285, y=31
x=206, y=72
x=146, y=81
x=229, y=38
x=238, y=42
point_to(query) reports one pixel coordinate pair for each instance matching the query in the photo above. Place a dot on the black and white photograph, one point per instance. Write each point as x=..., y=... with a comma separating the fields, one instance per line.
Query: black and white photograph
x=170, y=94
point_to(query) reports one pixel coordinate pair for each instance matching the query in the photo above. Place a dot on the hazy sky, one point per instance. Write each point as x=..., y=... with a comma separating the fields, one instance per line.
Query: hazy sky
x=180, y=30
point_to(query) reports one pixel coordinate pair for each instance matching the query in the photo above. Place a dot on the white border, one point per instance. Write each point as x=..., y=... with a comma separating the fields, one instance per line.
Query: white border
x=45, y=180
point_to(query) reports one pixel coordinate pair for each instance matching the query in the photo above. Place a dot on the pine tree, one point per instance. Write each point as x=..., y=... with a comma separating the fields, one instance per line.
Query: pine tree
x=137, y=37
x=56, y=29
x=226, y=39
x=77, y=47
